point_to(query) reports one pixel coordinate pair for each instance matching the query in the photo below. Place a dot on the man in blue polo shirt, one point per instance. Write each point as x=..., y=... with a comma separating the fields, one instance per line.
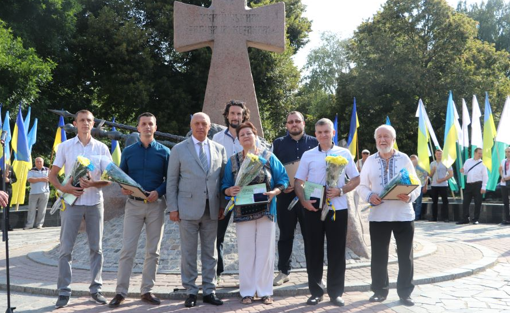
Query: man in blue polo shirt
x=289, y=149
x=147, y=163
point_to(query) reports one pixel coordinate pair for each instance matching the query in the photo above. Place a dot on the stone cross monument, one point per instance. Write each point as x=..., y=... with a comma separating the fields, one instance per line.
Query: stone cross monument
x=229, y=27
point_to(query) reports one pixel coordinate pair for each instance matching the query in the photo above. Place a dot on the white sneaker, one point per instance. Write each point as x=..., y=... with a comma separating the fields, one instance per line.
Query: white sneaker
x=280, y=279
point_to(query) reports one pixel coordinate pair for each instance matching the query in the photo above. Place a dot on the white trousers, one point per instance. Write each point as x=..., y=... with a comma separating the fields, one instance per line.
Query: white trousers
x=256, y=248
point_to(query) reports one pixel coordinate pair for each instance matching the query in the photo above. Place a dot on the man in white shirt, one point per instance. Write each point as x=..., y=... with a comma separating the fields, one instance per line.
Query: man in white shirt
x=39, y=194
x=235, y=113
x=440, y=176
x=88, y=206
x=476, y=184
x=389, y=216
x=313, y=168
x=364, y=155
x=504, y=172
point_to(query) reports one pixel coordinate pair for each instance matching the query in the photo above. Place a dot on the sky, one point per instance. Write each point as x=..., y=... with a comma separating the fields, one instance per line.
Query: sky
x=341, y=17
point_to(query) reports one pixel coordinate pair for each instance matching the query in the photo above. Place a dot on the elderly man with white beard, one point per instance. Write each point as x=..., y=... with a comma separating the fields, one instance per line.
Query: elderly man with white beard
x=389, y=216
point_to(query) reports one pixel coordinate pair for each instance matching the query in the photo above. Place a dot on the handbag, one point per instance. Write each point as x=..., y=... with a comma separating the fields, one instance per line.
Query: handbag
x=251, y=209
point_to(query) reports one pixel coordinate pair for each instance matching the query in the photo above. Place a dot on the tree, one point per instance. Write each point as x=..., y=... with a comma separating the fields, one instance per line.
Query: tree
x=22, y=71
x=416, y=49
x=493, y=19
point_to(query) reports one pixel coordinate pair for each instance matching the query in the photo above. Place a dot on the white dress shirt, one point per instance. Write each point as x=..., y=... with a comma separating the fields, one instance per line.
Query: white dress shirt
x=207, y=149
x=505, y=162
x=313, y=168
x=97, y=152
x=477, y=173
x=231, y=144
x=374, y=177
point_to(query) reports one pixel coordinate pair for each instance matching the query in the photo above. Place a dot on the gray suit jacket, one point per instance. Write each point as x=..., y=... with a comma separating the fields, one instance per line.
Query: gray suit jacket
x=188, y=183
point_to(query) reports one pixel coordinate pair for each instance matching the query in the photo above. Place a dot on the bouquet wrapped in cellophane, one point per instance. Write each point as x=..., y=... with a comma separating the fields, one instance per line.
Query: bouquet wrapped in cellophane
x=402, y=178
x=335, y=164
x=116, y=174
x=81, y=168
x=248, y=171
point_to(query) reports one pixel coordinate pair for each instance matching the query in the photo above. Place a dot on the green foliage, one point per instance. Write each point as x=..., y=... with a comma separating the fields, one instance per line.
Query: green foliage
x=493, y=17
x=416, y=49
x=22, y=72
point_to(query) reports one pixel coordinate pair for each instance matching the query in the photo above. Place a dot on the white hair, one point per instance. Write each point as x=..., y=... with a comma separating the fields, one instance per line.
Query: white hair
x=388, y=128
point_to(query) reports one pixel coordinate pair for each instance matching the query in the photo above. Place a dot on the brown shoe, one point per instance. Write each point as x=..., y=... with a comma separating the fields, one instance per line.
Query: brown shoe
x=150, y=298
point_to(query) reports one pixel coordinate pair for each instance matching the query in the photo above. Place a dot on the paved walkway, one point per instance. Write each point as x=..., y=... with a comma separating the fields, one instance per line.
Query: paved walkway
x=458, y=269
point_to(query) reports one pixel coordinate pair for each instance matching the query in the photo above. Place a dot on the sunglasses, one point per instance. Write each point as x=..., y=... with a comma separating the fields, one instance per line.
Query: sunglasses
x=294, y=122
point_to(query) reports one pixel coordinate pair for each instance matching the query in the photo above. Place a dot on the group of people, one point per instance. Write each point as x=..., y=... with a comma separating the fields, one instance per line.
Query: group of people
x=194, y=182
x=476, y=186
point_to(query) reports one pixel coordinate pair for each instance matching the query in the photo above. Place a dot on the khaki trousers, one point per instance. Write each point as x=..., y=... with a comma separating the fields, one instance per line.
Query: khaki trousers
x=137, y=214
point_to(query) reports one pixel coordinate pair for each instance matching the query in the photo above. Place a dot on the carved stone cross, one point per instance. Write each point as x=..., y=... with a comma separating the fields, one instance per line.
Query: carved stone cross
x=229, y=27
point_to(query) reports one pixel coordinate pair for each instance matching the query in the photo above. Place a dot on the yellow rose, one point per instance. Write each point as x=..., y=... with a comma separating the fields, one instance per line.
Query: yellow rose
x=338, y=160
x=83, y=161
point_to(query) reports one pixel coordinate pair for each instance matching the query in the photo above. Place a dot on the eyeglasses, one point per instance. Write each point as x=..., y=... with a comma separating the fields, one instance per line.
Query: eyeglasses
x=294, y=122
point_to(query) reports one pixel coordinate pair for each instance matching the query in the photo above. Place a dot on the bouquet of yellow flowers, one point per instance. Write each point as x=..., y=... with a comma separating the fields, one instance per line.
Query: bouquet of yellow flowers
x=248, y=171
x=81, y=168
x=335, y=164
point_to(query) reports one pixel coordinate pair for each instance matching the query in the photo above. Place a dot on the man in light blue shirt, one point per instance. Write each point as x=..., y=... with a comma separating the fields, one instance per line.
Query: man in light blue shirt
x=39, y=194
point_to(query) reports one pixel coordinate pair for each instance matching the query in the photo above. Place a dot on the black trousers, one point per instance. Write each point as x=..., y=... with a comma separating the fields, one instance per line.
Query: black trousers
x=380, y=235
x=287, y=222
x=435, y=192
x=471, y=191
x=222, y=229
x=506, y=208
x=336, y=233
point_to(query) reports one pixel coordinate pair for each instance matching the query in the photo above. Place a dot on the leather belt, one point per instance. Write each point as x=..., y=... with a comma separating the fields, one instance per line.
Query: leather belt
x=136, y=198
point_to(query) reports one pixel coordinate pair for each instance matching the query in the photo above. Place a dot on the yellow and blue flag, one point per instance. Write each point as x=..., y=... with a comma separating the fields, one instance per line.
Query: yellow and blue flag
x=60, y=135
x=352, y=140
x=116, y=153
x=32, y=136
x=502, y=142
x=388, y=122
x=335, y=125
x=450, y=135
x=6, y=126
x=423, y=139
x=22, y=162
x=489, y=133
x=27, y=120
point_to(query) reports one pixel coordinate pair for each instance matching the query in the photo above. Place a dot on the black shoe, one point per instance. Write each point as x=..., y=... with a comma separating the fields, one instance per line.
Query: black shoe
x=407, y=301
x=191, y=301
x=505, y=223
x=150, y=298
x=462, y=222
x=212, y=299
x=313, y=300
x=116, y=301
x=62, y=301
x=446, y=220
x=377, y=298
x=338, y=301
x=475, y=223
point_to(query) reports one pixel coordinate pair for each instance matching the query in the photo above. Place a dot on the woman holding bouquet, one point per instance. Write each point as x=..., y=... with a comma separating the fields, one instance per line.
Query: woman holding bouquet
x=255, y=223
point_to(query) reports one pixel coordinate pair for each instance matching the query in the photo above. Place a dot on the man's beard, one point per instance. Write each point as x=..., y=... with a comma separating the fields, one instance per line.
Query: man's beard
x=234, y=126
x=384, y=150
x=299, y=132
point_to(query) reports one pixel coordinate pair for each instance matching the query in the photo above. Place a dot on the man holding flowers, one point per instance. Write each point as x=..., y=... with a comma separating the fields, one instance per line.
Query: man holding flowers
x=146, y=162
x=389, y=216
x=88, y=206
x=313, y=168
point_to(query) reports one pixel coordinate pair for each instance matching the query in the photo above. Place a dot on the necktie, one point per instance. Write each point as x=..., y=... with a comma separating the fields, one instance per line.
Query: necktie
x=203, y=157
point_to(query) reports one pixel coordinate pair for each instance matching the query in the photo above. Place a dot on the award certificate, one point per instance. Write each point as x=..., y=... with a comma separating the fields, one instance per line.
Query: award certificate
x=252, y=194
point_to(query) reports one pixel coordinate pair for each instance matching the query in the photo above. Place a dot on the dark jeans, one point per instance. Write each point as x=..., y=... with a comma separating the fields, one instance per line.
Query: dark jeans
x=435, y=192
x=471, y=191
x=417, y=207
x=222, y=229
x=380, y=235
x=336, y=234
x=506, y=209
x=287, y=222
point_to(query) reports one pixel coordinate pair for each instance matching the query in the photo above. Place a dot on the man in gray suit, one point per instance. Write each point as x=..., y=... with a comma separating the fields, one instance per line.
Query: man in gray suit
x=194, y=177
